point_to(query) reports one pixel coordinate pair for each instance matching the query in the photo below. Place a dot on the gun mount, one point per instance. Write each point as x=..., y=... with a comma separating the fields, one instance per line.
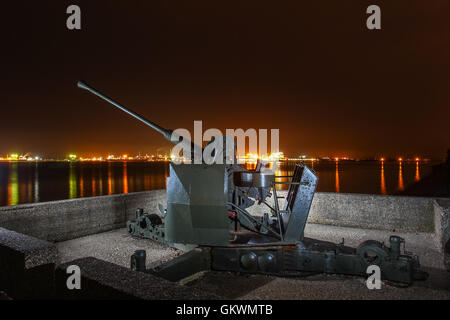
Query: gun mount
x=206, y=214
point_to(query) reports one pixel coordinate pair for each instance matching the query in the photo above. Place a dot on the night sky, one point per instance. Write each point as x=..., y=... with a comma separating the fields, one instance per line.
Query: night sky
x=310, y=68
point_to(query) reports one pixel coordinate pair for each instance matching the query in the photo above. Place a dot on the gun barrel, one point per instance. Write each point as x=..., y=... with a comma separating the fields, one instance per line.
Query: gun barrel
x=166, y=133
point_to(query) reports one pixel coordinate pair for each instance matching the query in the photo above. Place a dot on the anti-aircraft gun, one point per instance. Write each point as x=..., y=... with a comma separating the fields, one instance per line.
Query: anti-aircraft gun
x=207, y=214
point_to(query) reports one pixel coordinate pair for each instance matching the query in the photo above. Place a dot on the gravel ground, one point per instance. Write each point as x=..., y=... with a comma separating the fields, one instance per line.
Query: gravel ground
x=317, y=287
x=346, y=288
x=116, y=246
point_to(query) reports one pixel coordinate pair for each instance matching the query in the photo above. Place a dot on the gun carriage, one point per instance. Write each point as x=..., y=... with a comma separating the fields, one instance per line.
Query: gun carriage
x=207, y=215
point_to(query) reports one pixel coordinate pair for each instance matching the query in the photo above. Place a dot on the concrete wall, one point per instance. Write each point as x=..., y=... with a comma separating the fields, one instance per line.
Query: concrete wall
x=442, y=223
x=368, y=211
x=68, y=219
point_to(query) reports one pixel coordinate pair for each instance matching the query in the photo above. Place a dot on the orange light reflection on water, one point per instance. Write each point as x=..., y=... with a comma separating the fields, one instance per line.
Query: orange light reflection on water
x=383, y=181
x=401, y=186
x=125, y=178
x=417, y=175
x=93, y=182
x=110, y=187
x=337, y=177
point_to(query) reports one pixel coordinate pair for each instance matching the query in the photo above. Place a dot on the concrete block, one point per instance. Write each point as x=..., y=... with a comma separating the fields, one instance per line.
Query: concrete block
x=442, y=228
x=27, y=265
x=104, y=280
x=442, y=222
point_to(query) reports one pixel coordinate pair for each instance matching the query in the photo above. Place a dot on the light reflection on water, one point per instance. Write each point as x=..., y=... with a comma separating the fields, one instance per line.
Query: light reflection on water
x=125, y=178
x=337, y=178
x=417, y=176
x=72, y=181
x=383, y=180
x=13, y=184
x=26, y=182
x=401, y=185
x=374, y=177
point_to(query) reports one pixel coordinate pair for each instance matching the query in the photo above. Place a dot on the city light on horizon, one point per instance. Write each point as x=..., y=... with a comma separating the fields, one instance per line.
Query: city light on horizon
x=279, y=156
